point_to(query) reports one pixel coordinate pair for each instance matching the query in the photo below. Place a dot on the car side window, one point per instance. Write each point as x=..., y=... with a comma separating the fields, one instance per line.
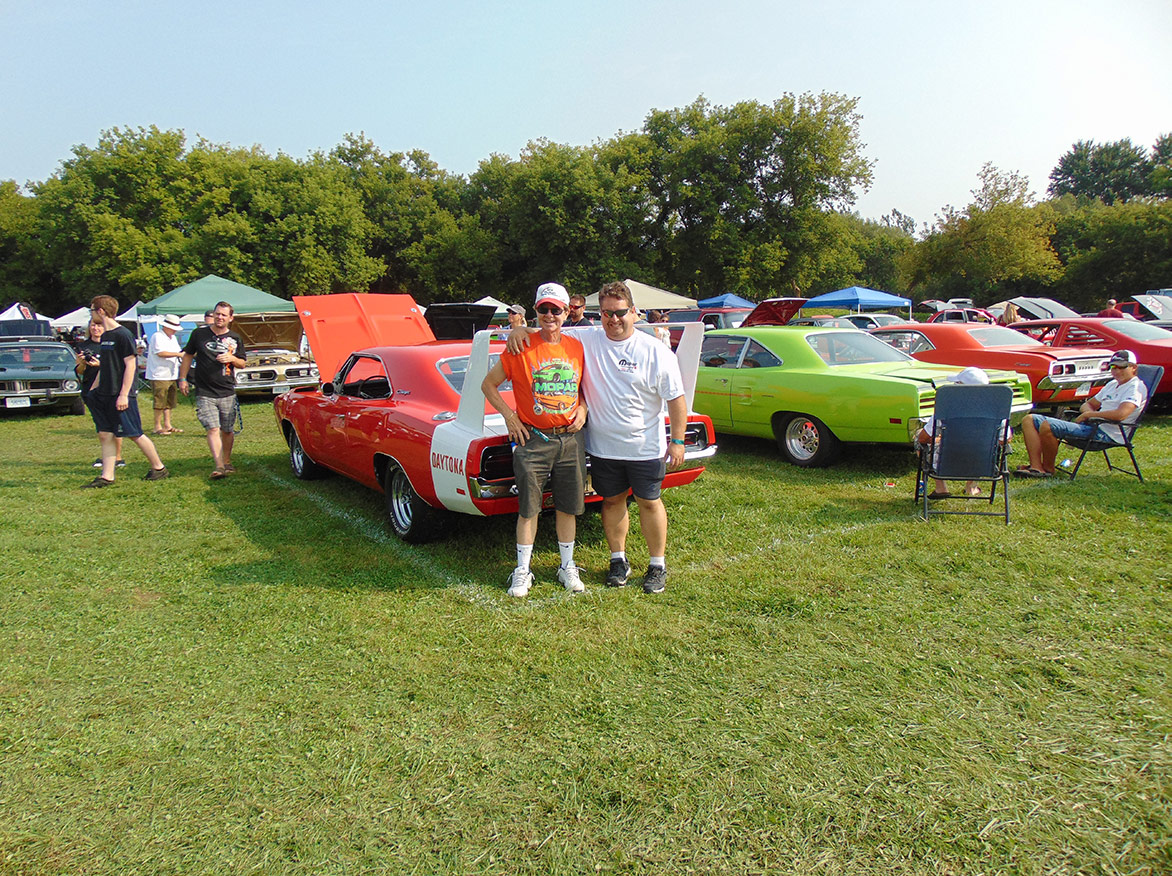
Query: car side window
x=366, y=378
x=756, y=356
x=721, y=352
x=1077, y=336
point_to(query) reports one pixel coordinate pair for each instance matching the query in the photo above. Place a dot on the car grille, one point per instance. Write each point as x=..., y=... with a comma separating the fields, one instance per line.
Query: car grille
x=18, y=386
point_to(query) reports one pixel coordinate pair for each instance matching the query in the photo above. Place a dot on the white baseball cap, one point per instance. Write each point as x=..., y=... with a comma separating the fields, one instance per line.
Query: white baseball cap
x=553, y=293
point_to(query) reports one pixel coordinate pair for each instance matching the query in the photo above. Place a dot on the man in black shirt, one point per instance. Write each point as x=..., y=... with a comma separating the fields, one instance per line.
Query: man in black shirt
x=577, y=316
x=114, y=401
x=217, y=352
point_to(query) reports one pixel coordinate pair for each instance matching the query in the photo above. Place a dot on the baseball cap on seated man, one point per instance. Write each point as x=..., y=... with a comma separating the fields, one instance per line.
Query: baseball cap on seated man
x=1123, y=357
x=970, y=377
x=553, y=293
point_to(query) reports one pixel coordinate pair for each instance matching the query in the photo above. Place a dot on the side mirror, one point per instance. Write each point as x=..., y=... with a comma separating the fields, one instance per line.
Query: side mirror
x=328, y=388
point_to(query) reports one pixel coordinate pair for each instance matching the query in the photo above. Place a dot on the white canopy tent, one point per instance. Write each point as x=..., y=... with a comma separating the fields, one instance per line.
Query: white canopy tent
x=501, y=307
x=649, y=298
x=130, y=314
x=73, y=319
x=22, y=311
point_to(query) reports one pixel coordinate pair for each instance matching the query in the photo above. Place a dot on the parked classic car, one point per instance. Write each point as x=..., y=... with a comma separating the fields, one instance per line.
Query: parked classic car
x=277, y=359
x=811, y=389
x=869, y=321
x=1154, y=305
x=404, y=413
x=1035, y=308
x=37, y=372
x=1151, y=343
x=713, y=317
x=1058, y=375
x=963, y=314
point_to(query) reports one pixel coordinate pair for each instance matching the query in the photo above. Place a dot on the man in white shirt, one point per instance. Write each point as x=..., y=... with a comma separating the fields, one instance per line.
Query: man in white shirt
x=1119, y=402
x=162, y=370
x=630, y=379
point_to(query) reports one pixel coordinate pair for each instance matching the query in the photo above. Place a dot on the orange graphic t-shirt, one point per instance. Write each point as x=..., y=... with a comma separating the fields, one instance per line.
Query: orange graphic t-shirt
x=546, y=380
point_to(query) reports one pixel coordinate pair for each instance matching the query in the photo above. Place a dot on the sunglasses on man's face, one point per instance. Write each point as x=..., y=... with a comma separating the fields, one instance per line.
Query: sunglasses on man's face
x=546, y=310
x=577, y=306
x=616, y=314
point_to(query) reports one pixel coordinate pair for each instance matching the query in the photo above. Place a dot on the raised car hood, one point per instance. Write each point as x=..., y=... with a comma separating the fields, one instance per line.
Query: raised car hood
x=269, y=330
x=774, y=311
x=337, y=325
x=1160, y=306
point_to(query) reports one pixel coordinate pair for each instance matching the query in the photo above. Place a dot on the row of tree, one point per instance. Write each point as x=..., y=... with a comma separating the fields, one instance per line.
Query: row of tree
x=753, y=198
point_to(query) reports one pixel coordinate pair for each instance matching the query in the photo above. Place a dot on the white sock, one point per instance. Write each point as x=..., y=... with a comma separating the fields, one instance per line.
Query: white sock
x=566, y=550
x=524, y=555
x=618, y=555
x=657, y=561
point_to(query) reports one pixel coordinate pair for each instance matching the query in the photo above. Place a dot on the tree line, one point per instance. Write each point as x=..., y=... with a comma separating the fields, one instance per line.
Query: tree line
x=754, y=198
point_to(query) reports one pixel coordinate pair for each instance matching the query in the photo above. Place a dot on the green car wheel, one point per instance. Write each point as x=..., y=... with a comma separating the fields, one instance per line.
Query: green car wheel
x=805, y=441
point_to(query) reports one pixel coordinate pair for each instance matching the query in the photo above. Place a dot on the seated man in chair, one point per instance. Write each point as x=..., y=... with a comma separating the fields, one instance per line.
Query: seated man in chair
x=1121, y=400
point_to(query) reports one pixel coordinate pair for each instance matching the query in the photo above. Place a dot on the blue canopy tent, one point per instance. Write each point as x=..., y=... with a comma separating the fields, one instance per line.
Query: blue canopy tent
x=728, y=299
x=860, y=298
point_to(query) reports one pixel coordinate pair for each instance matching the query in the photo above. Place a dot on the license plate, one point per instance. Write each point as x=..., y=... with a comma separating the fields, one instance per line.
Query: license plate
x=1084, y=388
x=277, y=390
x=18, y=402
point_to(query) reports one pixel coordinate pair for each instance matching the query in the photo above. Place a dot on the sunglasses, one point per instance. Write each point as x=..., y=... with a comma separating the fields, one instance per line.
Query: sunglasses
x=546, y=310
x=616, y=314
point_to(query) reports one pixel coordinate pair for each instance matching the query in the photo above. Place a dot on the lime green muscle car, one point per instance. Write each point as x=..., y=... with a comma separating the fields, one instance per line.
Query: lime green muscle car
x=812, y=389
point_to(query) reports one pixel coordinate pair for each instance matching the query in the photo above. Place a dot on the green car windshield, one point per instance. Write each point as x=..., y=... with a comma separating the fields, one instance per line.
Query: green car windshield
x=852, y=348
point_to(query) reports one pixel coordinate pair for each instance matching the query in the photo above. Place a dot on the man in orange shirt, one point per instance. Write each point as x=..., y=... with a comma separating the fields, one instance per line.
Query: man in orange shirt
x=546, y=429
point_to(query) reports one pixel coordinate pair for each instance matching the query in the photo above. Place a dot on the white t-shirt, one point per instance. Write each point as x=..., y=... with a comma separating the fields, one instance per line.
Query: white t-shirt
x=627, y=385
x=1115, y=394
x=157, y=367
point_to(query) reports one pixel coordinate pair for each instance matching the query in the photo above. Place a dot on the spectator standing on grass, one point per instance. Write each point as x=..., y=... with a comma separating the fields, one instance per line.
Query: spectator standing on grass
x=546, y=429
x=162, y=370
x=1120, y=401
x=115, y=401
x=577, y=317
x=217, y=352
x=1111, y=310
x=630, y=379
x=89, y=351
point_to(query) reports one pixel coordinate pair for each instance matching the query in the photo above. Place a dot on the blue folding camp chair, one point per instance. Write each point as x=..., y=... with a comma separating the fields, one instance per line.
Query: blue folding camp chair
x=1150, y=376
x=968, y=444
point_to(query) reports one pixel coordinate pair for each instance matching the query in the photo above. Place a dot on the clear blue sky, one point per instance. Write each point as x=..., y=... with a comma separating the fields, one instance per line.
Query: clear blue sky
x=943, y=86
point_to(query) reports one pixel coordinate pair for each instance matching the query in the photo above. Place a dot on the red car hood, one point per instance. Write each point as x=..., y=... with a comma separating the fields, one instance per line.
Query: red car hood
x=337, y=325
x=774, y=311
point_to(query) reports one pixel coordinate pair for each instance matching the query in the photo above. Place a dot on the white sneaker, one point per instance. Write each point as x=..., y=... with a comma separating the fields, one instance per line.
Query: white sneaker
x=520, y=582
x=568, y=575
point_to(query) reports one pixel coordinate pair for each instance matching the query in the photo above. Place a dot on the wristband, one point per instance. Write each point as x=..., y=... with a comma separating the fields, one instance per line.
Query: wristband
x=679, y=441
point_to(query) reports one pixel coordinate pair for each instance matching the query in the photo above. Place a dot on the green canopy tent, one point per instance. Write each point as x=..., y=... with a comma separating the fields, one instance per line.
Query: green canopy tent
x=202, y=295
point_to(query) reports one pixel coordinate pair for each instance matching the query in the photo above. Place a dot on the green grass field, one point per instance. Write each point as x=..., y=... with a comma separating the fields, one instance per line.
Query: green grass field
x=253, y=676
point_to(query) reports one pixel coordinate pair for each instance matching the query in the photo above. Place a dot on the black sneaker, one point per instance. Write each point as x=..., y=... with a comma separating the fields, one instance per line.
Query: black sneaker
x=620, y=571
x=95, y=483
x=655, y=579
x=157, y=474
x=121, y=463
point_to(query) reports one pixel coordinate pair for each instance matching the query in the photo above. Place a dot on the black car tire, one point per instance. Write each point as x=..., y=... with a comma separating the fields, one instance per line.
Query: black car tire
x=303, y=467
x=412, y=519
x=806, y=441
